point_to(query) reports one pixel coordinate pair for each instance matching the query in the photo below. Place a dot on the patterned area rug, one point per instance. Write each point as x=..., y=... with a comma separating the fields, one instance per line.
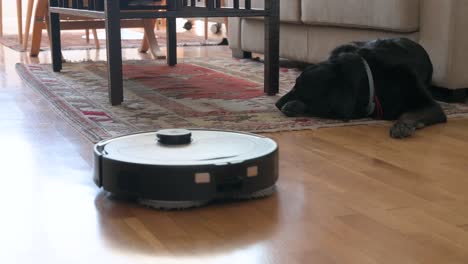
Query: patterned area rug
x=220, y=93
x=75, y=40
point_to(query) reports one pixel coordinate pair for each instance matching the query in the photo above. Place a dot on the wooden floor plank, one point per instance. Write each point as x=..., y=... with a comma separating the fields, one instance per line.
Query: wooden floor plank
x=345, y=195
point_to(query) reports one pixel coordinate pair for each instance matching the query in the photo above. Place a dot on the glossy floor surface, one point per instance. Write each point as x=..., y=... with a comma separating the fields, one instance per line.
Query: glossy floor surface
x=345, y=195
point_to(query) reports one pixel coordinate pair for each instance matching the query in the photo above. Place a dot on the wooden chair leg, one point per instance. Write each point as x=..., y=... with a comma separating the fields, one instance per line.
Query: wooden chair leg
x=87, y=35
x=1, y=18
x=28, y=23
x=96, y=39
x=206, y=28
x=38, y=25
x=226, y=23
x=47, y=23
x=19, y=16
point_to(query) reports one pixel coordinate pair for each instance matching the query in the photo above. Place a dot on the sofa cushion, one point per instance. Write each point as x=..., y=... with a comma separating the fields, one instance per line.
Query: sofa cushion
x=290, y=10
x=293, y=39
x=391, y=15
x=322, y=40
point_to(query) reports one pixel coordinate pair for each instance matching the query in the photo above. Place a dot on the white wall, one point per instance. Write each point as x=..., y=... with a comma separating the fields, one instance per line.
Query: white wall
x=9, y=16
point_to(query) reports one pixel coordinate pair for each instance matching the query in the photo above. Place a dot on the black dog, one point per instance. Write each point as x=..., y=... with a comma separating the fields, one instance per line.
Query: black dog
x=384, y=79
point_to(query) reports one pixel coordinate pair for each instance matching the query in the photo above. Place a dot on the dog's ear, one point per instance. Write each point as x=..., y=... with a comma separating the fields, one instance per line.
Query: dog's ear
x=351, y=71
x=352, y=47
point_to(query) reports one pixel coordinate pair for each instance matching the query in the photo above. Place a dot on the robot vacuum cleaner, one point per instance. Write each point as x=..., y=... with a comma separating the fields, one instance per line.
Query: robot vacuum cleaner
x=178, y=168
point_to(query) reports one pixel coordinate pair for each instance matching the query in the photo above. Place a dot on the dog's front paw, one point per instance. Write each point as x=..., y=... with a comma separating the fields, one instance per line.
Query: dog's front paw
x=402, y=130
x=294, y=108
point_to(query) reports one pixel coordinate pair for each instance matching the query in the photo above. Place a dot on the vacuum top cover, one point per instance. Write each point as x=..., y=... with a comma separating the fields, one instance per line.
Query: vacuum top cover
x=179, y=147
x=179, y=168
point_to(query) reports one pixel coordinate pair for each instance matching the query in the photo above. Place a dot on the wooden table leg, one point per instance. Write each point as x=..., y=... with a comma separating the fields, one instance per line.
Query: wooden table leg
x=272, y=48
x=171, y=41
x=55, y=42
x=171, y=33
x=114, y=52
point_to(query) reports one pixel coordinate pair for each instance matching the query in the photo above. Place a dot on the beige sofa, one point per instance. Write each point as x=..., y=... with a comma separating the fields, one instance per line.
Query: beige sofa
x=310, y=29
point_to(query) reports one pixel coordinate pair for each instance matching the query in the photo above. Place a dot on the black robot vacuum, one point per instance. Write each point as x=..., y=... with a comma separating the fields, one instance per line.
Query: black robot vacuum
x=179, y=168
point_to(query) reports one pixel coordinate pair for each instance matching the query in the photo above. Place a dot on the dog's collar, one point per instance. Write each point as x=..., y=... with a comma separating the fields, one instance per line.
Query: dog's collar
x=371, y=106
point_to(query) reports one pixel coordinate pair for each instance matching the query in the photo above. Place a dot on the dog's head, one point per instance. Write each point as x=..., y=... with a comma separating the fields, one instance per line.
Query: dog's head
x=329, y=89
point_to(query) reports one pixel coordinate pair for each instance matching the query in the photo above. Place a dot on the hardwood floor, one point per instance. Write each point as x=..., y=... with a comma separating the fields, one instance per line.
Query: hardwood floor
x=345, y=195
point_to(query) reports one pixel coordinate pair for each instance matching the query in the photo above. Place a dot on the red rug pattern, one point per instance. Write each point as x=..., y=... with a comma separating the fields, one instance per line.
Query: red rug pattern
x=220, y=93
